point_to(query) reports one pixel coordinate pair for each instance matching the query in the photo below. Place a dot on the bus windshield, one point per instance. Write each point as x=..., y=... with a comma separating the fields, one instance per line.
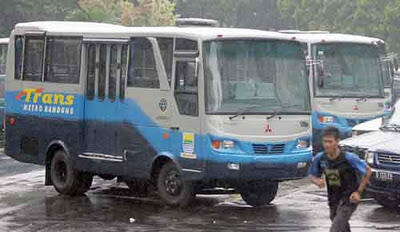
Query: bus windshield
x=261, y=76
x=349, y=70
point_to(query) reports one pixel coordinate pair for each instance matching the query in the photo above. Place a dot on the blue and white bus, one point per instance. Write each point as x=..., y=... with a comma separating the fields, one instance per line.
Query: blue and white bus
x=3, y=62
x=346, y=74
x=179, y=110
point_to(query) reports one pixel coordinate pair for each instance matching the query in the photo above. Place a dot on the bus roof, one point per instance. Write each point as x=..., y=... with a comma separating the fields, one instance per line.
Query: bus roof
x=335, y=37
x=4, y=40
x=103, y=30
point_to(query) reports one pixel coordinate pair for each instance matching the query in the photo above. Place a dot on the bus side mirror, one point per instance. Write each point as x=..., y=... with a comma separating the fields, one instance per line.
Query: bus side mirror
x=320, y=75
x=396, y=64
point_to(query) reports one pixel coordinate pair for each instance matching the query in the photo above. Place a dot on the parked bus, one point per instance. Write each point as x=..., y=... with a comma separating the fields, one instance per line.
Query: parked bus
x=3, y=61
x=181, y=110
x=346, y=75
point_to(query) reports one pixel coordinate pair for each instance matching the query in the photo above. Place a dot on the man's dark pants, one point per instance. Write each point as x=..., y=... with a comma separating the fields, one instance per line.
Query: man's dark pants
x=340, y=214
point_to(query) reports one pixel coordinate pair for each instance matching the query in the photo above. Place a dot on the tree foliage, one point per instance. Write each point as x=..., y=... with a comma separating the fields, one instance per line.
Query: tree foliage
x=378, y=18
x=144, y=12
x=261, y=14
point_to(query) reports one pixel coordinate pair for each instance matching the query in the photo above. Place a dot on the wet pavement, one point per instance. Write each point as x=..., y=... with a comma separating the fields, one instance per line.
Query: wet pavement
x=27, y=205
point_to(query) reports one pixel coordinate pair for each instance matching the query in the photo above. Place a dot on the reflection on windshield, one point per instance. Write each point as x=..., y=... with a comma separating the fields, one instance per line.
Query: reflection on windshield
x=270, y=74
x=387, y=72
x=350, y=70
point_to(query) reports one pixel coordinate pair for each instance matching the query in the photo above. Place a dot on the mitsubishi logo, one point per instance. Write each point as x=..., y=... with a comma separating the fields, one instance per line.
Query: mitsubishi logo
x=268, y=128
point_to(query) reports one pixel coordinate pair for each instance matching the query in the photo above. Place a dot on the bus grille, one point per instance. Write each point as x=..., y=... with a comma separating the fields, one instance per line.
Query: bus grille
x=354, y=122
x=389, y=158
x=268, y=149
x=351, y=122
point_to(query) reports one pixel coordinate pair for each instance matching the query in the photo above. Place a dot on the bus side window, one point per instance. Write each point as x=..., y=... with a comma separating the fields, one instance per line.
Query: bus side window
x=102, y=72
x=166, y=46
x=33, y=58
x=91, y=71
x=112, y=78
x=19, y=47
x=142, y=66
x=124, y=69
x=3, y=58
x=63, y=60
x=186, y=88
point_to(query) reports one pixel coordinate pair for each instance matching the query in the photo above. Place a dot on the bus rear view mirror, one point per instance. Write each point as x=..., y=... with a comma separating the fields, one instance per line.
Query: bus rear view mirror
x=320, y=75
x=396, y=64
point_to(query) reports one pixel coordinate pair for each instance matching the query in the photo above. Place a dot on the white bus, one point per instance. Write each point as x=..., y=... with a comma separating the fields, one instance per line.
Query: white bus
x=347, y=78
x=179, y=110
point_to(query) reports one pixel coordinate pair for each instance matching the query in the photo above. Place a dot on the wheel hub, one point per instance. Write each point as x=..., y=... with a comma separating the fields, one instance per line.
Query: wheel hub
x=173, y=183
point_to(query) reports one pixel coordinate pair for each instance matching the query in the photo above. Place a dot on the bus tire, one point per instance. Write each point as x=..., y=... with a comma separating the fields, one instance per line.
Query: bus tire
x=139, y=188
x=387, y=203
x=259, y=193
x=172, y=189
x=66, y=180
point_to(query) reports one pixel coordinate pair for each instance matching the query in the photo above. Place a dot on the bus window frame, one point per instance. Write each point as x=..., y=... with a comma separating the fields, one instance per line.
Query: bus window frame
x=80, y=38
x=33, y=35
x=120, y=43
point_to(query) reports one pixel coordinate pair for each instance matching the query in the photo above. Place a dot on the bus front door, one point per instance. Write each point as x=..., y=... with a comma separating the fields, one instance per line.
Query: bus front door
x=186, y=134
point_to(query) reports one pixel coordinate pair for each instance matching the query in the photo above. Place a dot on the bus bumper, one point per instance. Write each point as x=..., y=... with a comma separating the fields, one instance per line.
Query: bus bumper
x=278, y=167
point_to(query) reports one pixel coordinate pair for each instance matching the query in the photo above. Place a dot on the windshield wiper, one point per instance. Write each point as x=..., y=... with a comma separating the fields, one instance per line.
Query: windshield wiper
x=333, y=98
x=391, y=127
x=278, y=112
x=361, y=99
x=242, y=111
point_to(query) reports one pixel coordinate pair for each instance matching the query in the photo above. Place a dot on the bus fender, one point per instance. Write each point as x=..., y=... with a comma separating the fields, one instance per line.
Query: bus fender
x=160, y=159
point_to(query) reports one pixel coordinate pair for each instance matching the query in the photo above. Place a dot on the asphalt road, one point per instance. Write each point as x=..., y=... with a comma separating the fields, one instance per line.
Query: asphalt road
x=27, y=205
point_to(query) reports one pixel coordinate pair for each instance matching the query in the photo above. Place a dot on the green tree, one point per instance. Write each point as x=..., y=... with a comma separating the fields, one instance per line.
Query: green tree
x=260, y=14
x=15, y=11
x=377, y=18
x=144, y=12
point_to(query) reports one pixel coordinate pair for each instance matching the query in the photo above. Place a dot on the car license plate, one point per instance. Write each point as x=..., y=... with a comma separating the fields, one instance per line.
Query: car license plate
x=384, y=176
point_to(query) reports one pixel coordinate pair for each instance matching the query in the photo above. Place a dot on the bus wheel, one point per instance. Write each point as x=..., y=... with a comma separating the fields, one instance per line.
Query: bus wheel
x=67, y=180
x=139, y=188
x=172, y=189
x=387, y=203
x=259, y=193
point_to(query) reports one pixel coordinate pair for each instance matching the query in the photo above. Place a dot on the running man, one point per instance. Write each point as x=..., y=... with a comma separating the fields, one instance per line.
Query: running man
x=342, y=171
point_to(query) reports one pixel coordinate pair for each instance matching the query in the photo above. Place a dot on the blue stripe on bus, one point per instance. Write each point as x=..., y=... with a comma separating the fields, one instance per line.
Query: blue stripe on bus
x=128, y=111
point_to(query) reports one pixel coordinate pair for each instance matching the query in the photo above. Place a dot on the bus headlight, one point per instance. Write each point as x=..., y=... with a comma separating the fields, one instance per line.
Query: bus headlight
x=223, y=144
x=303, y=143
x=369, y=157
x=326, y=119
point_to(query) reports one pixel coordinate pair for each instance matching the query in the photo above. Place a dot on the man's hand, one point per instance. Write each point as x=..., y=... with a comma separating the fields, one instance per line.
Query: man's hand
x=320, y=182
x=355, y=198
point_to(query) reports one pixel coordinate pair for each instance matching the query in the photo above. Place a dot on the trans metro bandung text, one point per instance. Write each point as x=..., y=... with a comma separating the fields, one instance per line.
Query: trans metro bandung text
x=36, y=100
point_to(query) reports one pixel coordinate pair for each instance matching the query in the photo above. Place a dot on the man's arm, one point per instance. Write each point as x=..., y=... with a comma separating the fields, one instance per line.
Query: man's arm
x=365, y=181
x=318, y=181
x=362, y=168
x=316, y=172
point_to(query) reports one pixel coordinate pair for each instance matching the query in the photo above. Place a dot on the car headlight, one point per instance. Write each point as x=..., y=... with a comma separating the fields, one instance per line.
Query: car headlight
x=223, y=144
x=326, y=119
x=369, y=157
x=303, y=143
